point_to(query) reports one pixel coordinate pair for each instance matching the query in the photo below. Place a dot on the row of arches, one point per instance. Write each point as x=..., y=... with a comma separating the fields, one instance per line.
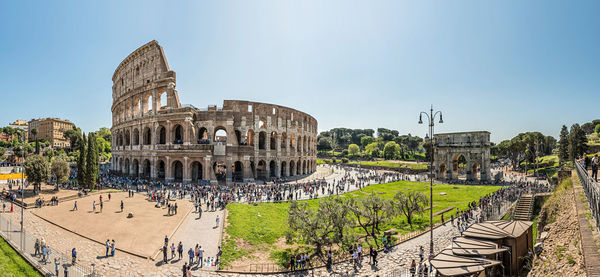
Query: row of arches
x=460, y=168
x=140, y=105
x=297, y=143
x=238, y=171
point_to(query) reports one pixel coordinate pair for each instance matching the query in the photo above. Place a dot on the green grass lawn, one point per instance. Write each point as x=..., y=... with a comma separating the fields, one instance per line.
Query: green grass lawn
x=392, y=164
x=12, y=264
x=261, y=232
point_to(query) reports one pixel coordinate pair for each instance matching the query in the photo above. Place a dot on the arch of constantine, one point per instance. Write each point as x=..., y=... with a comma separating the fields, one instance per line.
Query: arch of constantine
x=154, y=136
x=465, y=153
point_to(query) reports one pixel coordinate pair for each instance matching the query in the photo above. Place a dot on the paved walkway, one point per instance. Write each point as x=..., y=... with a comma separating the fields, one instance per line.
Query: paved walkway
x=589, y=247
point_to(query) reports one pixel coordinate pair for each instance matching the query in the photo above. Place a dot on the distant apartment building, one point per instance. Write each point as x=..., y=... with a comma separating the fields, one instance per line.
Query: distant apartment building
x=52, y=130
x=20, y=124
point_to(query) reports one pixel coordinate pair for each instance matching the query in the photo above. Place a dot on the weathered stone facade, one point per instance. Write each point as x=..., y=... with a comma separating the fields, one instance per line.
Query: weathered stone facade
x=473, y=146
x=154, y=136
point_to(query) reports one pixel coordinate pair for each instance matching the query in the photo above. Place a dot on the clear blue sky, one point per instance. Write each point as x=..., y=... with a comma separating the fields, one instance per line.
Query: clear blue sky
x=501, y=66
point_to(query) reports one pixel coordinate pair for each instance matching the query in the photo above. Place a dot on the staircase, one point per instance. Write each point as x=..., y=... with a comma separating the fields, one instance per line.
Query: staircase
x=524, y=207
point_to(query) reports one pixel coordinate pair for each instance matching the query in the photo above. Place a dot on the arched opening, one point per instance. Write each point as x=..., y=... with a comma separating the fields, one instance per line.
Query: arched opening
x=261, y=170
x=298, y=167
x=283, y=169
x=138, y=107
x=250, y=137
x=292, y=168
x=238, y=137
x=293, y=142
x=178, y=134
x=283, y=138
x=262, y=140
x=262, y=123
x=273, y=140
x=220, y=169
x=148, y=103
x=273, y=169
x=136, y=137
x=197, y=172
x=238, y=171
x=177, y=171
x=299, y=144
x=304, y=171
x=136, y=168
x=161, y=170
x=127, y=138
x=203, y=136
x=442, y=171
x=459, y=164
x=162, y=135
x=221, y=135
x=120, y=139
x=146, y=169
x=126, y=168
x=147, y=136
x=163, y=99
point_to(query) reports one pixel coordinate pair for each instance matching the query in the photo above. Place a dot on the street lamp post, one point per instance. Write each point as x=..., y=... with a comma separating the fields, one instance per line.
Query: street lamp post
x=22, y=183
x=430, y=117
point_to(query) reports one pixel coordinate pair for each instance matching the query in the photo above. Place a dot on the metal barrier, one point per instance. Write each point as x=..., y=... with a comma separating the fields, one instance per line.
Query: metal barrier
x=592, y=192
x=24, y=244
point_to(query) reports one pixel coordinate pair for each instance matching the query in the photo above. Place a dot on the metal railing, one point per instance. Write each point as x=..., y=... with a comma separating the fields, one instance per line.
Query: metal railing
x=592, y=192
x=24, y=244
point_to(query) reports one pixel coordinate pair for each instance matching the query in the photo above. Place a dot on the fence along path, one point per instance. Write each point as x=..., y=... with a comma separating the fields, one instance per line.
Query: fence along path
x=592, y=193
x=24, y=244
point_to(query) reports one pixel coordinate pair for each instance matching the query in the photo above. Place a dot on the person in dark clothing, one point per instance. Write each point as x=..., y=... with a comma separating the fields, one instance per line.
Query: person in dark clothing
x=164, y=250
x=373, y=254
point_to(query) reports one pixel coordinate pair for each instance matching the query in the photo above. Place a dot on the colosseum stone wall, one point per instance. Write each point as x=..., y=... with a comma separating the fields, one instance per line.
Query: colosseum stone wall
x=154, y=136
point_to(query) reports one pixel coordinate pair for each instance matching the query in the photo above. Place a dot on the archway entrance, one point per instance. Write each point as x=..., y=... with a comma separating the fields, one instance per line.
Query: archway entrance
x=283, y=170
x=220, y=169
x=273, y=169
x=475, y=173
x=442, y=171
x=197, y=172
x=161, y=170
x=459, y=166
x=136, y=168
x=146, y=169
x=261, y=170
x=177, y=171
x=238, y=172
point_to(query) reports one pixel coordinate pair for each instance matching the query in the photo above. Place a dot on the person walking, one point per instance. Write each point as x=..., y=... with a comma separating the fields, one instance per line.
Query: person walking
x=75, y=206
x=595, y=162
x=56, y=265
x=191, y=255
x=172, y=251
x=164, y=250
x=73, y=258
x=219, y=253
x=184, y=269
x=112, y=248
x=200, y=256
x=180, y=249
x=217, y=222
x=107, y=244
x=121, y=205
x=373, y=254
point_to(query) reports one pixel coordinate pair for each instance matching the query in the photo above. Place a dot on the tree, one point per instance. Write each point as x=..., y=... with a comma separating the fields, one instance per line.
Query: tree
x=75, y=137
x=597, y=129
x=91, y=162
x=366, y=140
x=37, y=171
x=386, y=134
x=391, y=150
x=34, y=133
x=321, y=227
x=324, y=143
x=577, y=142
x=2, y=154
x=563, y=145
x=410, y=203
x=353, y=150
x=60, y=170
x=81, y=165
x=370, y=213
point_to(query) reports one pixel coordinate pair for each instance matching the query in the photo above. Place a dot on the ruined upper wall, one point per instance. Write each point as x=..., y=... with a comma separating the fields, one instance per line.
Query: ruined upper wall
x=274, y=111
x=143, y=66
x=479, y=138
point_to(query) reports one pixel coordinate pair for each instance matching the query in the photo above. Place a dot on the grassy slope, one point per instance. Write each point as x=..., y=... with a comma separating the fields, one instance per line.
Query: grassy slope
x=12, y=264
x=244, y=222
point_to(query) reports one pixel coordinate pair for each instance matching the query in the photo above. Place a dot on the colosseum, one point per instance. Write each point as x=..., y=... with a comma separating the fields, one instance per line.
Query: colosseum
x=154, y=136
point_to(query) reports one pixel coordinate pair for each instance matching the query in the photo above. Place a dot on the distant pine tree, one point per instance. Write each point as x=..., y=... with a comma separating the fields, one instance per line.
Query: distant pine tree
x=81, y=165
x=92, y=171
